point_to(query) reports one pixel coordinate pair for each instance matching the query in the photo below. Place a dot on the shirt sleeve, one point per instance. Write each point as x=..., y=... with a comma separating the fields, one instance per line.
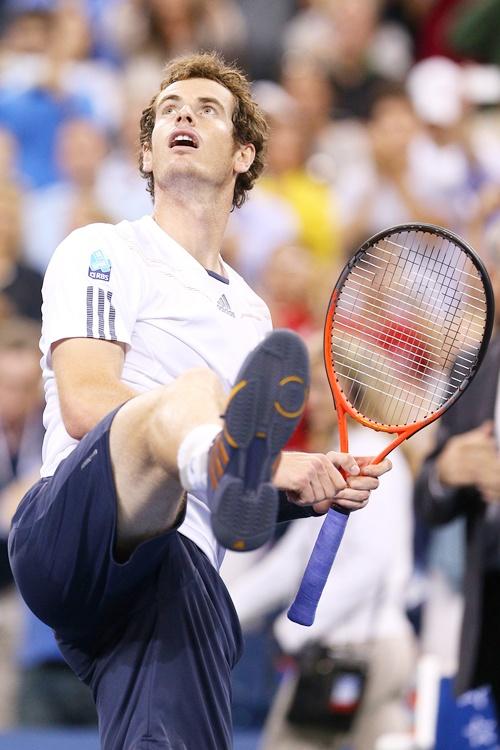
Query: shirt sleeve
x=92, y=288
x=288, y=511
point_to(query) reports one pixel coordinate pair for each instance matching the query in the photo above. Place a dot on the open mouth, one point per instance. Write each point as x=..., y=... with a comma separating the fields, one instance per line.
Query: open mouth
x=188, y=140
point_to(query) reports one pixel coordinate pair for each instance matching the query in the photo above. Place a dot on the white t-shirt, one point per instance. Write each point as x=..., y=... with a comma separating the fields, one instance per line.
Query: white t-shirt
x=133, y=283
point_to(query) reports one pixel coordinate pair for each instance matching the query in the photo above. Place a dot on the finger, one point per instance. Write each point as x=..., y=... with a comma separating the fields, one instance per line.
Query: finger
x=350, y=505
x=316, y=483
x=319, y=487
x=322, y=507
x=353, y=496
x=375, y=470
x=344, y=461
x=334, y=481
x=306, y=495
x=363, y=461
x=363, y=483
x=329, y=480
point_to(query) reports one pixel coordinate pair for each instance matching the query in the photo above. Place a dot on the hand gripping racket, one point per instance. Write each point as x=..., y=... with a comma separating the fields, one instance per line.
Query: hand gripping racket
x=406, y=330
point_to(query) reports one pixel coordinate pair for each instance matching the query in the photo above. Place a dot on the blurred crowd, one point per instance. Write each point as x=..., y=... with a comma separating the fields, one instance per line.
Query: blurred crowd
x=380, y=112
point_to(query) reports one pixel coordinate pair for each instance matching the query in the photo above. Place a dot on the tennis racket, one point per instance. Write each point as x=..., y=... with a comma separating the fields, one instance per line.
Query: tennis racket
x=407, y=326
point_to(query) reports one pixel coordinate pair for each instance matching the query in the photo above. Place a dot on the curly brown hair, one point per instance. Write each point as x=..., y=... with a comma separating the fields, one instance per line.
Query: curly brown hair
x=248, y=121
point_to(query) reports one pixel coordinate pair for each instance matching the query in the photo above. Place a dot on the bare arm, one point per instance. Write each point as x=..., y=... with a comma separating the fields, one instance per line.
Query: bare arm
x=88, y=373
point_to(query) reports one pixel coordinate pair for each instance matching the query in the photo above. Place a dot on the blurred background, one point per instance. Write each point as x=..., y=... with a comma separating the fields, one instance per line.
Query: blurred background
x=380, y=112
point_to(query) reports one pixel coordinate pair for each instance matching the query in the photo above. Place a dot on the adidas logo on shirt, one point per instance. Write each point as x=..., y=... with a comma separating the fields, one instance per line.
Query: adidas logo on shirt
x=224, y=305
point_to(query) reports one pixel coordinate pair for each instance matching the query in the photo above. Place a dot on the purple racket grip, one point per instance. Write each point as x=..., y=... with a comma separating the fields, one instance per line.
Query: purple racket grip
x=303, y=609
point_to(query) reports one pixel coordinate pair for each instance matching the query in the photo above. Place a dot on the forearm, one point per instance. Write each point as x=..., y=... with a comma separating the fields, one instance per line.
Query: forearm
x=90, y=403
x=88, y=374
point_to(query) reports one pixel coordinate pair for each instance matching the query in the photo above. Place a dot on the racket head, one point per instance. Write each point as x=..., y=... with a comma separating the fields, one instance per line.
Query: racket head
x=407, y=327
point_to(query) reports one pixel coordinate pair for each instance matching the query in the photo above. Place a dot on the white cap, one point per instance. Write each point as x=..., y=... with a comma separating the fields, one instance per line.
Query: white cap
x=435, y=87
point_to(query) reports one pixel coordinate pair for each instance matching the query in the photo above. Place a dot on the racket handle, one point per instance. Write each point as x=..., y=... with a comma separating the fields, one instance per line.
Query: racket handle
x=303, y=609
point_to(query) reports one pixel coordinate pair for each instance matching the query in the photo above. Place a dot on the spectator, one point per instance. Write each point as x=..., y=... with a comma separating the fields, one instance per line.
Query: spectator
x=72, y=201
x=339, y=34
x=20, y=285
x=82, y=76
x=262, y=224
x=334, y=145
x=34, y=111
x=38, y=688
x=382, y=191
x=127, y=199
x=264, y=23
x=24, y=41
x=20, y=441
x=361, y=615
x=461, y=479
x=312, y=200
x=444, y=169
x=288, y=288
x=149, y=32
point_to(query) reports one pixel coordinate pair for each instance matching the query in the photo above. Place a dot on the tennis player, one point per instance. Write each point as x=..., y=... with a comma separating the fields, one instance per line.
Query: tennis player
x=145, y=330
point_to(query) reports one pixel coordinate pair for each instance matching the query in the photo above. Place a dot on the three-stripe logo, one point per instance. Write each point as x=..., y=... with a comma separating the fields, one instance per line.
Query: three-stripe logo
x=101, y=314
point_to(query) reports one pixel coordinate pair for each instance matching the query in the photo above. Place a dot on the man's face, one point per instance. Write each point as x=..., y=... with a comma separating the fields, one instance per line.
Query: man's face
x=192, y=139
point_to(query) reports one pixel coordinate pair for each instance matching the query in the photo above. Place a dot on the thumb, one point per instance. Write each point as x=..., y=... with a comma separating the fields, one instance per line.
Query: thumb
x=345, y=461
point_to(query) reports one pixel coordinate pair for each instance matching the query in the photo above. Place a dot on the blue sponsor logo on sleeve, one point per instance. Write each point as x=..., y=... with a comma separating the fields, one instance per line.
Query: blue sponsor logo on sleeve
x=100, y=266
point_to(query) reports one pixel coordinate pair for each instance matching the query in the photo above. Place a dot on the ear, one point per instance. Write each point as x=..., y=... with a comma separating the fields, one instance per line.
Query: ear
x=147, y=160
x=243, y=158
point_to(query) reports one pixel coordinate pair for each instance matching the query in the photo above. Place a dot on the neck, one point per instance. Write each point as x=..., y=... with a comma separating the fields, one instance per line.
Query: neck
x=198, y=224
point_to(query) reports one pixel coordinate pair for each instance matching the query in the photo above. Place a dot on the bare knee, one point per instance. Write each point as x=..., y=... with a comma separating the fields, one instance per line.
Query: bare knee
x=196, y=397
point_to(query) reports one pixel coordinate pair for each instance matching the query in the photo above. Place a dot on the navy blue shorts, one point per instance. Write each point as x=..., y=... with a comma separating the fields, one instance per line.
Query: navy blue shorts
x=155, y=637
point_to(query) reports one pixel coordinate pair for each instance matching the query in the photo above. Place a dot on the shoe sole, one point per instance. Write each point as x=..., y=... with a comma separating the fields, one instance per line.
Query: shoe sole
x=265, y=407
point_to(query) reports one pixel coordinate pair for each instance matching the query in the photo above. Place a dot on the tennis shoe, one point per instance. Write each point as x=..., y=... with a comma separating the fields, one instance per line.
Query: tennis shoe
x=264, y=407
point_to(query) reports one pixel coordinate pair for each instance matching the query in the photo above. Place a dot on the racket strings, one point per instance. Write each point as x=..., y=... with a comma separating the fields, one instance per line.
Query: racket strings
x=407, y=327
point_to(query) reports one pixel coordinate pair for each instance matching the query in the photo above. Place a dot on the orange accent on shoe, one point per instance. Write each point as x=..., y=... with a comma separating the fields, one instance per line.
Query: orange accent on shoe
x=236, y=388
x=261, y=434
x=213, y=478
x=229, y=439
x=223, y=451
x=239, y=545
x=289, y=414
x=277, y=405
x=291, y=379
x=218, y=466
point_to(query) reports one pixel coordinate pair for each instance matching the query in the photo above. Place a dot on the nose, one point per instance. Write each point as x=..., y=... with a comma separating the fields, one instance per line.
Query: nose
x=185, y=113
